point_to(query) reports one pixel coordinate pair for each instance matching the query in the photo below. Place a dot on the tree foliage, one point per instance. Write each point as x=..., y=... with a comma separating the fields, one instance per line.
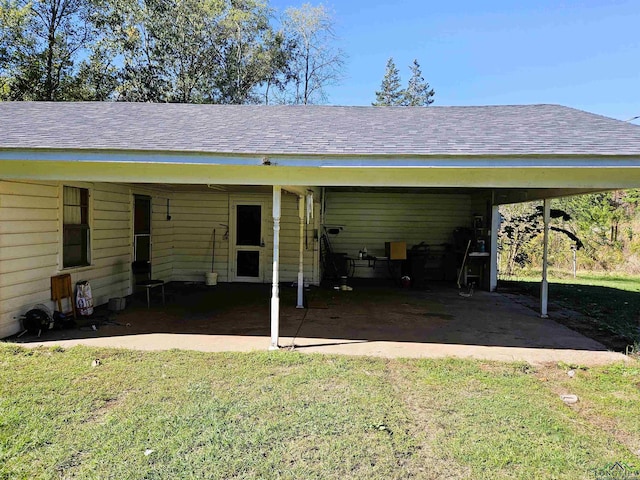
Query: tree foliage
x=523, y=223
x=605, y=220
x=418, y=92
x=316, y=62
x=192, y=51
x=604, y=224
x=390, y=93
x=42, y=42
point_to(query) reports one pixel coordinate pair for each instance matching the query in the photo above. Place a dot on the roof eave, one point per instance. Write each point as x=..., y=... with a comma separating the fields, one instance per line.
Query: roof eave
x=462, y=160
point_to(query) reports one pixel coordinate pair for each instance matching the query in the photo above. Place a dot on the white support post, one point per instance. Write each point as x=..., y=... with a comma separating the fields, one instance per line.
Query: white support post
x=275, y=288
x=544, y=286
x=301, y=214
x=493, y=248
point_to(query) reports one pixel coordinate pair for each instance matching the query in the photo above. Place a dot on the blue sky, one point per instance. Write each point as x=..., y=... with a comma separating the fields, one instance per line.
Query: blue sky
x=583, y=54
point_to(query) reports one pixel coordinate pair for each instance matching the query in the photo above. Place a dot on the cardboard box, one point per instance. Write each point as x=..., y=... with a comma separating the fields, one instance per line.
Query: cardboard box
x=395, y=250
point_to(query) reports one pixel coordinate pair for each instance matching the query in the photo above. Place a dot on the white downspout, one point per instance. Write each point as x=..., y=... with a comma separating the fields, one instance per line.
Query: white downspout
x=493, y=248
x=544, y=286
x=275, y=288
x=301, y=212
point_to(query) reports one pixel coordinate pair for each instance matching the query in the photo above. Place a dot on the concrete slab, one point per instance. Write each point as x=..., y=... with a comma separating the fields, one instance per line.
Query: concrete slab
x=371, y=320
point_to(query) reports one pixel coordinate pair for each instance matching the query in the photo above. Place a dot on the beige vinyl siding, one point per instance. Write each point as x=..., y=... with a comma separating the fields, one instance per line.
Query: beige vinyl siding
x=161, y=238
x=31, y=250
x=109, y=273
x=371, y=219
x=29, y=246
x=194, y=217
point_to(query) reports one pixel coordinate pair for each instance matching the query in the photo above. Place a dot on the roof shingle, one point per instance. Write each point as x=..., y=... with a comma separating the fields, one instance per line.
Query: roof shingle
x=315, y=130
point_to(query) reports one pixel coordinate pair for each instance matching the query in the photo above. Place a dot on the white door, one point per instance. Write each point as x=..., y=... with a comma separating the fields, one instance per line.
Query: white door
x=246, y=242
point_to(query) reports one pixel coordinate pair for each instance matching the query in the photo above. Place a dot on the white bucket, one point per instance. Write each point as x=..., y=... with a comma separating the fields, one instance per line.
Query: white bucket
x=211, y=278
x=117, y=304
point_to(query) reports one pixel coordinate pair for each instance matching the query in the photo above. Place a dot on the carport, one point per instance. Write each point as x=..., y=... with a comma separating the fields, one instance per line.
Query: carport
x=488, y=155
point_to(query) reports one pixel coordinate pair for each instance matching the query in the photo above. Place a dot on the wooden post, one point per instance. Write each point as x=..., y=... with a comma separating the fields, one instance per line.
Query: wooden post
x=544, y=287
x=301, y=214
x=275, y=287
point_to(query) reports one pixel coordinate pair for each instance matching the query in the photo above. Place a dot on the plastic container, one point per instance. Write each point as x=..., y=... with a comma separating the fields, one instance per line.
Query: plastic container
x=117, y=304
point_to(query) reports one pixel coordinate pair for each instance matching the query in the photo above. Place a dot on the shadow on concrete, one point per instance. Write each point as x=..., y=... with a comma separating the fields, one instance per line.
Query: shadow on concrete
x=606, y=314
x=372, y=312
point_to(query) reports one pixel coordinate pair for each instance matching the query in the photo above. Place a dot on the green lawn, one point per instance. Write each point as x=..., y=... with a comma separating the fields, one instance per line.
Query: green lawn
x=627, y=283
x=290, y=415
x=610, y=303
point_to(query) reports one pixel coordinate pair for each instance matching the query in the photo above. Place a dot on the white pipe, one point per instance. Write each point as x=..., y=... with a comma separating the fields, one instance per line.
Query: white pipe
x=544, y=286
x=493, y=248
x=275, y=288
x=301, y=212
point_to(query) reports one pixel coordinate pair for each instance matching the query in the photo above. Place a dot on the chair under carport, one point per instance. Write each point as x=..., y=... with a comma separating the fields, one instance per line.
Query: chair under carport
x=142, y=275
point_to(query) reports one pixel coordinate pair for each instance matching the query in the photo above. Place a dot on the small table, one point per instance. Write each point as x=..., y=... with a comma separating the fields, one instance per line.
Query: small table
x=393, y=266
x=364, y=262
x=480, y=259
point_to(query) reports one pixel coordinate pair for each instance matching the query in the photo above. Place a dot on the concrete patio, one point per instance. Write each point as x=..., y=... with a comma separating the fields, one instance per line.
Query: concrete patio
x=376, y=320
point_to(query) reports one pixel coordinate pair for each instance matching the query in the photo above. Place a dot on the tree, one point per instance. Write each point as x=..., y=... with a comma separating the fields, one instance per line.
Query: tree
x=418, y=92
x=97, y=77
x=521, y=224
x=390, y=93
x=12, y=21
x=280, y=73
x=315, y=61
x=134, y=35
x=188, y=35
x=192, y=51
x=12, y=41
x=46, y=37
x=247, y=53
x=597, y=219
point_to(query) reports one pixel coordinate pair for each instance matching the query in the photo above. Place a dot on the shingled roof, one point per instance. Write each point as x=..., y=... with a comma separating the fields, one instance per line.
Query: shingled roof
x=515, y=130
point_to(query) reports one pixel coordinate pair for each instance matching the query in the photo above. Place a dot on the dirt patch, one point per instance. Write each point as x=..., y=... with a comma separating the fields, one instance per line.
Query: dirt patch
x=99, y=415
x=72, y=463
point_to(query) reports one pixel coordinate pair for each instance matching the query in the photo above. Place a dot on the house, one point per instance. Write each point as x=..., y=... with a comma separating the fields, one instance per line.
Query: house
x=86, y=188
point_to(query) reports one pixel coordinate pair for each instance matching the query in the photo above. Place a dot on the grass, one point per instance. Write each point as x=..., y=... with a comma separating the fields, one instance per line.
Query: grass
x=627, y=283
x=609, y=303
x=289, y=415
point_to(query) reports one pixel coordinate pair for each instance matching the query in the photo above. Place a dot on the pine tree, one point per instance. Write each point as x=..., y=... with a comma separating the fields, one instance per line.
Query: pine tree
x=418, y=92
x=390, y=93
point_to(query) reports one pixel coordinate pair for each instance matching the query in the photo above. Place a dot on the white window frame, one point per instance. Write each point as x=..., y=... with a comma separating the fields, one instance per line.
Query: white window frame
x=89, y=188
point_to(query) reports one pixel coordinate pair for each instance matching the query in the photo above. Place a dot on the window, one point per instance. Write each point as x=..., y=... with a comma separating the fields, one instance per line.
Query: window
x=76, y=232
x=142, y=228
